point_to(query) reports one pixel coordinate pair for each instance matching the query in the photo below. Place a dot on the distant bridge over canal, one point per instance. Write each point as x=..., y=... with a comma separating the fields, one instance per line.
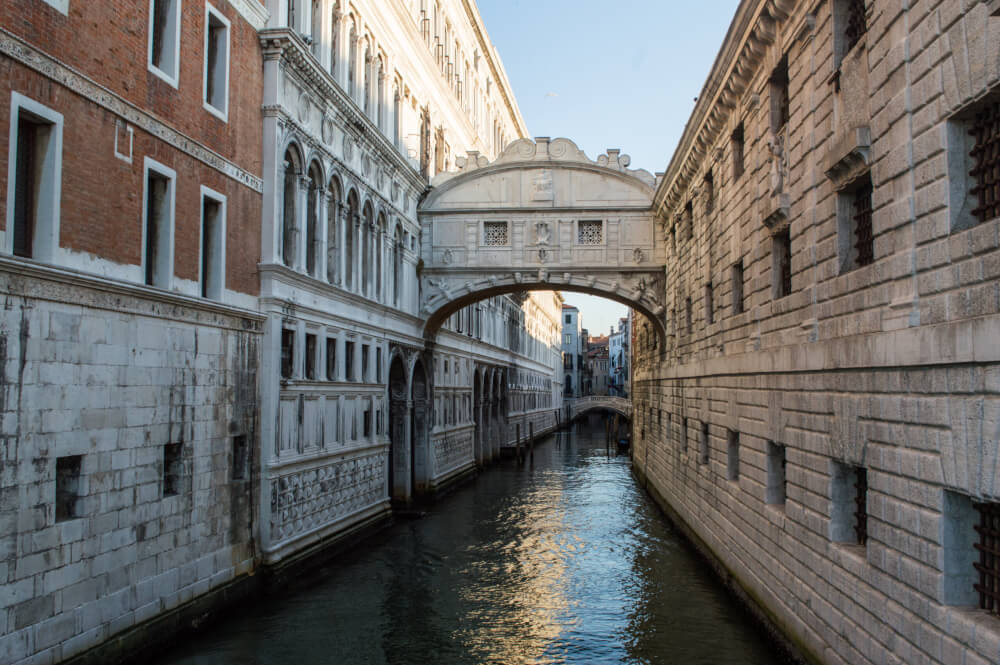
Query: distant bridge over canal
x=578, y=406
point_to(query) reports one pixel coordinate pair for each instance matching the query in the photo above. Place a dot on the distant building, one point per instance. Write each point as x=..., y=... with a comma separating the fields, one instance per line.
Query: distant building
x=572, y=350
x=597, y=364
x=619, y=359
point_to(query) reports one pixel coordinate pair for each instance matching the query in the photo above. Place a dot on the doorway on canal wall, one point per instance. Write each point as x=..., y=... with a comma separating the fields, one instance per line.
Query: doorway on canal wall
x=409, y=394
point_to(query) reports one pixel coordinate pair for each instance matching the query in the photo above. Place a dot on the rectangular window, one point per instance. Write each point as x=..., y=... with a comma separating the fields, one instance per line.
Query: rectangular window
x=367, y=423
x=240, y=457
x=165, y=39
x=310, y=357
x=850, y=24
x=705, y=445
x=378, y=365
x=213, y=244
x=781, y=263
x=590, y=232
x=988, y=565
x=365, y=353
x=68, y=487
x=172, y=469
x=216, y=74
x=287, y=353
x=738, y=146
x=331, y=359
x=35, y=179
x=688, y=220
x=684, y=434
x=775, y=474
x=985, y=132
x=569, y=319
x=709, y=185
x=689, y=313
x=349, y=361
x=849, y=504
x=158, y=225
x=495, y=234
x=709, y=304
x=960, y=543
x=737, y=287
x=855, y=240
x=780, y=103
x=733, y=455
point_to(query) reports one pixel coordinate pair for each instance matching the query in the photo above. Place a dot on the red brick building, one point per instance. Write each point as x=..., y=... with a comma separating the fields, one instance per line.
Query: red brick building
x=130, y=191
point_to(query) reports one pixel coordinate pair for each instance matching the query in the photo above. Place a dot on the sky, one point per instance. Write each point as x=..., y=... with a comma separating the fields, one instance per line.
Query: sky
x=622, y=75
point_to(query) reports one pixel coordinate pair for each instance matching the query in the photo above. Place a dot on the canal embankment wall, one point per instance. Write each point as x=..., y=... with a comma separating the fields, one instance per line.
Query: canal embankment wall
x=821, y=416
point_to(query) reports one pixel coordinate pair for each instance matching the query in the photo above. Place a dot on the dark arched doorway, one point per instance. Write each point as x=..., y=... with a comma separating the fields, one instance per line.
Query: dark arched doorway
x=399, y=451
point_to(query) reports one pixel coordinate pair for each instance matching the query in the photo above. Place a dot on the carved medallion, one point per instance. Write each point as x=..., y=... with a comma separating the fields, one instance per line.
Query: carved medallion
x=327, y=130
x=305, y=102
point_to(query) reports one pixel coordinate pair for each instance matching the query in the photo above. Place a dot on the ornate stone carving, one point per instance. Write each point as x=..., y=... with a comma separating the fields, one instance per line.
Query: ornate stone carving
x=777, y=161
x=543, y=232
x=637, y=255
x=305, y=105
x=328, y=132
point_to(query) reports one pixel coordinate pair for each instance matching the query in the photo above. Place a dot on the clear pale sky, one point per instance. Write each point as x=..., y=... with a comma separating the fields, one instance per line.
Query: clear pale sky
x=608, y=75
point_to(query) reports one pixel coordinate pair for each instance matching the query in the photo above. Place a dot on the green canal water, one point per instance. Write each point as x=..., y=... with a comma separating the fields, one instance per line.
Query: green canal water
x=563, y=560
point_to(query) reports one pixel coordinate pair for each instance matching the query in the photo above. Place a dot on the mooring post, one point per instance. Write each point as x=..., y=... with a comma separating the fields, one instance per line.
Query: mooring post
x=531, y=440
x=517, y=444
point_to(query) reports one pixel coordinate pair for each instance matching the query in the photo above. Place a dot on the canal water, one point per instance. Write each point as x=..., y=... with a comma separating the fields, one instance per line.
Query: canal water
x=563, y=560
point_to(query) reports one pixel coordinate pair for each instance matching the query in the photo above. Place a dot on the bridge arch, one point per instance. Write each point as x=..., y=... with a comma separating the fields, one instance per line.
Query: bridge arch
x=542, y=216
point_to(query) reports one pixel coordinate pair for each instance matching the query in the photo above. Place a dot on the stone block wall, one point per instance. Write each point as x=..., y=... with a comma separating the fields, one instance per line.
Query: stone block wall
x=761, y=410
x=128, y=426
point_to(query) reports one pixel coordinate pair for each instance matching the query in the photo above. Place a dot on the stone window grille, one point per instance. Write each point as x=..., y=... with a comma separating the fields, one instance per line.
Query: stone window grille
x=68, y=487
x=287, y=353
x=862, y=209
x=172, y=469
x=988, y=547
x=856, y=24
x=590, y=232
x=733, y=455
x=985, y=131
x=495, y=234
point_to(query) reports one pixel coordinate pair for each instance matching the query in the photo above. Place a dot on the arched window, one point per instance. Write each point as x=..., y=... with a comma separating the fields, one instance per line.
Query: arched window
x=367, y=221
x=350, y=225
x=334, y=37
x=333, y=233
x=396, y=108
x=316, y=29
x=368, y=81
x=352, y=64
x=289, y=226
x=380, y=95
x=314, y=201
x=379, y=249
x=397, y=267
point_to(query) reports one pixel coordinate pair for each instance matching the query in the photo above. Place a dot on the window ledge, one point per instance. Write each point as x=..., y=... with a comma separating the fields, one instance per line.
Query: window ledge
x=221, y=115
x=159, y=73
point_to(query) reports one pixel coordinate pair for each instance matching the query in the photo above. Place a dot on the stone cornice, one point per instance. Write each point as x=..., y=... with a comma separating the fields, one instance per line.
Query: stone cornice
x=40, y=281
x=19, y=50
x=496, y=68
x=751, y=33
x=284, y=44
x=252, y=11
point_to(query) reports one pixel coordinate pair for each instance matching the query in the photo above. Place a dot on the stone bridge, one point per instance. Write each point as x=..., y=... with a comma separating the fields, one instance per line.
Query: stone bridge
x=578, y=406
x=542, y=216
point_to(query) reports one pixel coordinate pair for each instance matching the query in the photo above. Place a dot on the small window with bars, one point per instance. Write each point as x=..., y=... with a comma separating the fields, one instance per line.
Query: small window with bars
x=985, y=132
x=495, y=234
x=988, y=549
x=855, y=23
x=590, y=232
x=849, y=504
x=856, y=240
x=781, y=252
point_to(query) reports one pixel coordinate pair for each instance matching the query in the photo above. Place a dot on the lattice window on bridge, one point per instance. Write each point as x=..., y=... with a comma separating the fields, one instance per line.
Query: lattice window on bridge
x=495, y=234
x=590, y=232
